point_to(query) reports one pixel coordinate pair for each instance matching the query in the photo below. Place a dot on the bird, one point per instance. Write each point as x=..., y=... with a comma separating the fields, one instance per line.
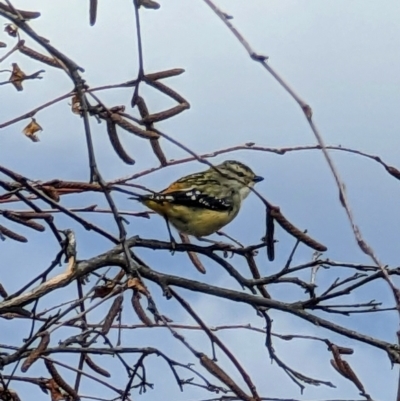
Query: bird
x=202, y=203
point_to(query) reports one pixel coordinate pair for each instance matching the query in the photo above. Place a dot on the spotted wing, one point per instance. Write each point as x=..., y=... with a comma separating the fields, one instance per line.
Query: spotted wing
x=193, y=198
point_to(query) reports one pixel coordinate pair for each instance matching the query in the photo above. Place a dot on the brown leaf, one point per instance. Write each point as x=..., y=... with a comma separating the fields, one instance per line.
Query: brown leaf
x=8, y=394
x=76, y=104
x=51, y=193
x=31, y=129
x=103, y=290
x=11, y=30
x=17, y=76
x=136, y=285
x=55, y=390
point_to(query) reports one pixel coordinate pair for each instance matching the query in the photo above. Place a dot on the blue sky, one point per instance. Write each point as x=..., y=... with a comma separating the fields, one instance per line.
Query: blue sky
x=341, y=57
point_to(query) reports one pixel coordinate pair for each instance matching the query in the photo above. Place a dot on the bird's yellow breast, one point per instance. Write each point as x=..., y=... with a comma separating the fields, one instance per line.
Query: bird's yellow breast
x=199, y=222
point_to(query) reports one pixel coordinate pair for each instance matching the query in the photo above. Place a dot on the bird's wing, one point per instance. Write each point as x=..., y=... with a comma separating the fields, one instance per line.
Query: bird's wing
x=192, y=197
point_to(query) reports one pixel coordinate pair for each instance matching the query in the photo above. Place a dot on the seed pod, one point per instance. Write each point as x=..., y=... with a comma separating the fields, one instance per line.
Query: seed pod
x=4, y=231
x=116, y=144
x=96, y=367
x=35, y=354
x=137, y=307
x=112, y=314
x=60, y=381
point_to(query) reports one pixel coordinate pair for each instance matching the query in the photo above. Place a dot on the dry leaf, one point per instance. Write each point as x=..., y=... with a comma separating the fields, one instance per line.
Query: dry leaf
x=103, y=290
x=17, y=76
x=31, y=129
x=51, y=192
x=11, y=30
x=136, y=285
x=55, y=390
x=76, y=104
x=8, y=394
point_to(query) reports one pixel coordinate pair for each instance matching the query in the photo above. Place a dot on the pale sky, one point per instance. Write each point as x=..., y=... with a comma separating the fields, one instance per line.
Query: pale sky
x=341, y=57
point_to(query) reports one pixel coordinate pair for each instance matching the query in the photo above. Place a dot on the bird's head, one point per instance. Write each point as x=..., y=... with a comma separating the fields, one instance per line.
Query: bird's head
x=240, y=176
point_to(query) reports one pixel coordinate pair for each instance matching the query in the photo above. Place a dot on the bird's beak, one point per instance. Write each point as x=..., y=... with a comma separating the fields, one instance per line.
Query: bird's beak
x=257, y=178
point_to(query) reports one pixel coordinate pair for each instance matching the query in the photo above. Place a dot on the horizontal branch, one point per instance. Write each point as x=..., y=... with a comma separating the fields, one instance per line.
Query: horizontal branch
x=114, y=257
